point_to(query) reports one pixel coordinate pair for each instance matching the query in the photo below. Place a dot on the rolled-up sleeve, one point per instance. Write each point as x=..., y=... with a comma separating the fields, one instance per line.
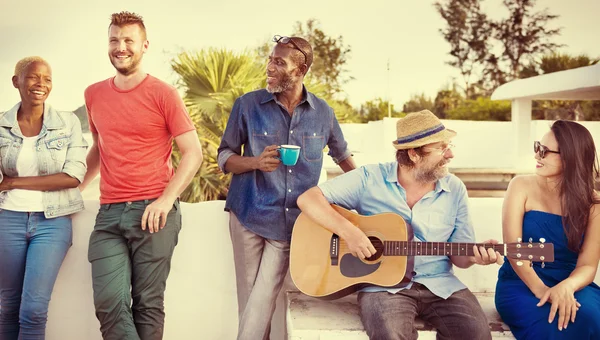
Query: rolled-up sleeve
x=75, y=165
x=338, y=147
x=234, y=137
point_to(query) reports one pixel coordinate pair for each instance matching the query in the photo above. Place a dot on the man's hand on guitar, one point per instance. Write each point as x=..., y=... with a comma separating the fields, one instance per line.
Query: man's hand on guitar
x=358, y=243
x=484, y=257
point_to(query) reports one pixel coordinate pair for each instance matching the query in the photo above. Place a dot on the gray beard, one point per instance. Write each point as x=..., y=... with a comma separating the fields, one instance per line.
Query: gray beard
x=430, y=175
x=285, y=85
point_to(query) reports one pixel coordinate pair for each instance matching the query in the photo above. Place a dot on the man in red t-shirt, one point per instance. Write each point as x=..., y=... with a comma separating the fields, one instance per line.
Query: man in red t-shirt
x=134, y=118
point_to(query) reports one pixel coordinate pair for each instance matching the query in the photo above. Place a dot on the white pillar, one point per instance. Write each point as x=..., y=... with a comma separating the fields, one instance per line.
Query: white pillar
x=521, y=121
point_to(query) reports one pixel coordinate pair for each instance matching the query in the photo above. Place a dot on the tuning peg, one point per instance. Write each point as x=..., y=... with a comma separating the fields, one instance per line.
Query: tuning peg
x=531, y=264
x=519, y=263
x=530, y=240
x=542, y=240
x=519, y=240
x=543, y=264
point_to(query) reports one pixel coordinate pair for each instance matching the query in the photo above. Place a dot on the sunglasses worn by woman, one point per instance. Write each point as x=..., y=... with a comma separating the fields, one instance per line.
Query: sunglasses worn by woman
x=558, y=204
x=541, y=150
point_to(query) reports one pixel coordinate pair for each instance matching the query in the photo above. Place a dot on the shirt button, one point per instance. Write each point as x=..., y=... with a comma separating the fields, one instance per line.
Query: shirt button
x=289, y=190
x=265, y=133
x=39, y=148
x=290, y=171
x=286, y=209
x=291, y=131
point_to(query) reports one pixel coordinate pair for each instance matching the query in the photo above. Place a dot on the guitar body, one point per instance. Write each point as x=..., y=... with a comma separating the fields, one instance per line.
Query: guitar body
x=318, y=271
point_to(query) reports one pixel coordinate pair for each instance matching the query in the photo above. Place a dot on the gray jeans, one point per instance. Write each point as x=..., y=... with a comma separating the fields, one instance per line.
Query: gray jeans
x=388, y=316
x=260, y=268
x=130, y=267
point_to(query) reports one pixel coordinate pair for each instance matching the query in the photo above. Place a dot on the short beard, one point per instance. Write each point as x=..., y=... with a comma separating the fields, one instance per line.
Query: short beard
x=432, y=174
x=129, y=69
x=286, y=83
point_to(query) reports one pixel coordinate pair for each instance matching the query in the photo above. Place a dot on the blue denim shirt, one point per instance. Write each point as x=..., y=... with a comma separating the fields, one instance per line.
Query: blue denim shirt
x=60, y=148
x=265, y=202
x=442, y=215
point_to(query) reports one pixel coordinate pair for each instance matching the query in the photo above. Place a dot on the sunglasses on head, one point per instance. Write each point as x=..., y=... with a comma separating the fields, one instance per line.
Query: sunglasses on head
x=541, y=149
x=287, y=40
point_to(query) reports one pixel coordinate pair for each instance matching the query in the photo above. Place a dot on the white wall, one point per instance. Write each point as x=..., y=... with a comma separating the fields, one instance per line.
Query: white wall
x=201, y=298
x=479, y=144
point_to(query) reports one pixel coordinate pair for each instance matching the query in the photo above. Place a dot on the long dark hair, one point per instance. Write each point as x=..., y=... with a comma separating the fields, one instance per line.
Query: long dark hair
x=580, y=170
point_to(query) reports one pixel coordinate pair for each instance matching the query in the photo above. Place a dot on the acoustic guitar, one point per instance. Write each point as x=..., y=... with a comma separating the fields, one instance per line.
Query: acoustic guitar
x=321, y=265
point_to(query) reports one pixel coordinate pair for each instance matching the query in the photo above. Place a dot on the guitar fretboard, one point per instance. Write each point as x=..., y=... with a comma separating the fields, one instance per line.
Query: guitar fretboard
x=413, y=248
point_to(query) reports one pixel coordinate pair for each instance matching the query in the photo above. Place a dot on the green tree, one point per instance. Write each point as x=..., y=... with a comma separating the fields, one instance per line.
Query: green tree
x=377, y=109
x=555, y=62
x=417, y=103
x=468, y=31
x=481, y=109
x=561, y=109
x=446, y=100
x=330, y=55
x=524, y=34
x=344, y=112
x=212, y=79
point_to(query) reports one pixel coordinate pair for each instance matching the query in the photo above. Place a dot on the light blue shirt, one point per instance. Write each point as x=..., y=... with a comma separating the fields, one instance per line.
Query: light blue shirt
x=442, y=215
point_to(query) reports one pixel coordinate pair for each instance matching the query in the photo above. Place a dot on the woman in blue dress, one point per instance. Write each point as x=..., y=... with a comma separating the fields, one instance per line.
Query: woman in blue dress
x=558, y=203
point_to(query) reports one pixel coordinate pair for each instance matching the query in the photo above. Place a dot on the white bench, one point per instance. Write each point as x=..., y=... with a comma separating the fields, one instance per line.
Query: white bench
x=200, y=301
x=313, y=319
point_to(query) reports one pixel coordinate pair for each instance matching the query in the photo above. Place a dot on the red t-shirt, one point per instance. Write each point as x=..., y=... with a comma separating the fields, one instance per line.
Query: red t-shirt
x=135, y=132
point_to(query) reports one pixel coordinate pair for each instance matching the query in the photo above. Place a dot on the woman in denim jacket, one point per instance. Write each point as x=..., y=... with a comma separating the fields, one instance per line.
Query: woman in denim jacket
x=42, y=162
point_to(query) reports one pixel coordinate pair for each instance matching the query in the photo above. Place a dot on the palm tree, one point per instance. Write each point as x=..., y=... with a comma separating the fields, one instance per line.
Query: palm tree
x=212, y=80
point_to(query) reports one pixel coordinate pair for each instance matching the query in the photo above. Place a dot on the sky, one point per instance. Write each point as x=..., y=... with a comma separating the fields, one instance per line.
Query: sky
x=72, y=36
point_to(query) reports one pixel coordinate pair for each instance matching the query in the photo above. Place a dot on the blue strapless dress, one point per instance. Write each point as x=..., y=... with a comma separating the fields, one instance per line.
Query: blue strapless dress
x=516, y=304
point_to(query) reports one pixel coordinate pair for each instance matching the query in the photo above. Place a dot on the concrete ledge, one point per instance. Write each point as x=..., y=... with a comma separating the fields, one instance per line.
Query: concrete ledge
x=313, y=319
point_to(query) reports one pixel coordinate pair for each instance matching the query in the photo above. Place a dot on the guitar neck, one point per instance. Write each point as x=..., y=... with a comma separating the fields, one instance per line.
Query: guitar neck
x=413, y=248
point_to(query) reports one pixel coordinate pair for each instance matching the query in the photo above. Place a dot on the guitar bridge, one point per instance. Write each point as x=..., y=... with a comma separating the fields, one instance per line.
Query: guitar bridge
x=334, y=248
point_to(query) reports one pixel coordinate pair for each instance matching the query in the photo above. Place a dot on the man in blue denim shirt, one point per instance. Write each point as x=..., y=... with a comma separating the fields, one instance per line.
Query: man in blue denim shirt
x=417, y=187
x=263, y=192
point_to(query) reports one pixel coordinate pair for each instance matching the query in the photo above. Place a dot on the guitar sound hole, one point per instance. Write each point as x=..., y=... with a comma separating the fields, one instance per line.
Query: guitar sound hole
x=378, y=244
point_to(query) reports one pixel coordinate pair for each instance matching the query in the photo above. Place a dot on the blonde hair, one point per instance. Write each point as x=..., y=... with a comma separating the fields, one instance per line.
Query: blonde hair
x=25, y=62
x=127, y=18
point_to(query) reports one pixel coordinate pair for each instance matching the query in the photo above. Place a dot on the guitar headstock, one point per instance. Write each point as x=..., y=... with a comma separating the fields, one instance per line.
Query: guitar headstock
x=530, y=251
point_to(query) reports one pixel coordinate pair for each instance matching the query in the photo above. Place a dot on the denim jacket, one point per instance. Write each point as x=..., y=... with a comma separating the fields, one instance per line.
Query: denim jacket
x=61, y=148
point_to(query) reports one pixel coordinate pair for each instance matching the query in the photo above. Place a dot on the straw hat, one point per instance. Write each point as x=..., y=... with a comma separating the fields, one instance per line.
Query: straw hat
x=420, y=128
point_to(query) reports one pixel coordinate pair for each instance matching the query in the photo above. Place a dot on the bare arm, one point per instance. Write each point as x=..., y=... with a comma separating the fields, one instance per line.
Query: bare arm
x=513, y=210
x=191, y=158
x=315, y=205
x=41, y=183
x=265, y=162
x=562, y=296
x=347, y=164
x=93, y=163
x=587, y=262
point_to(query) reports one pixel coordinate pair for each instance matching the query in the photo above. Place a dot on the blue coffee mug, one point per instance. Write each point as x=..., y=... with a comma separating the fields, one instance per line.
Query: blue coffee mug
x=289, y=154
